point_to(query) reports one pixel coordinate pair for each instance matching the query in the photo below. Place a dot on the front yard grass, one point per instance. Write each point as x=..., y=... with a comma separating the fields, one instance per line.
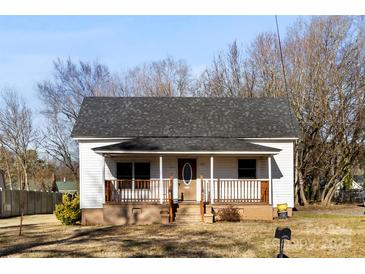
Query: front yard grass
x=313, y=235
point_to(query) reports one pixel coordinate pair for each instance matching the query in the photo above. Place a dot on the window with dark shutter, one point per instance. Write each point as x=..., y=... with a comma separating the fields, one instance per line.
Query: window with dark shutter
x=247, y=169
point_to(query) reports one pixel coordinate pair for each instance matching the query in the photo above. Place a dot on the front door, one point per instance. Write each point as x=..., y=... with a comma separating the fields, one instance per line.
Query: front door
x=187, y=179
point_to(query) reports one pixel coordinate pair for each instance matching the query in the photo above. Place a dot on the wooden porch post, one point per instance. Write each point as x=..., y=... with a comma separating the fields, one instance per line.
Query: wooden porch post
x=133, y=183
x=270, y=181
x=103, y=177
x=211, y=180
x=161, y=181
x=171, y=201
x=202, y=200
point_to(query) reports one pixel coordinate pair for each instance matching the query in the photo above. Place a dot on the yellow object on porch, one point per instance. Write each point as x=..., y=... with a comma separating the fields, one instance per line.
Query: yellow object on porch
x=282, y=207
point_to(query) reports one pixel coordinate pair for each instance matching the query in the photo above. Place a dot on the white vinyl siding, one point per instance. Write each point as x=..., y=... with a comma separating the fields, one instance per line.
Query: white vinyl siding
x=91, y=174
x=282, y=166
x=92, y=170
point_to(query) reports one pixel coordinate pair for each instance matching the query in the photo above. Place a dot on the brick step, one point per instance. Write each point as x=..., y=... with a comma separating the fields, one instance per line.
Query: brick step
x=188, y=211
x=188, y=222
x=208, y=218
x=189, y=205
x=185, y=214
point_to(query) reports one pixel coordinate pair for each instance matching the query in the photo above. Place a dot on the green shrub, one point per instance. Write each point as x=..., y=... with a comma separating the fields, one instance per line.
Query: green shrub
x=229, y=214
x=68, y=212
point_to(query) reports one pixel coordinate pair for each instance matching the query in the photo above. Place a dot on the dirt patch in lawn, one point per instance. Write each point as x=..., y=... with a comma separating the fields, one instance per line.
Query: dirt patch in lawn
x=313, y=235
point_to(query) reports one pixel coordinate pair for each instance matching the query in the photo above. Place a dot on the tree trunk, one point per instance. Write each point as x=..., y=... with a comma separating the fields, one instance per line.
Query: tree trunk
x=21, y=202
x=26, y=178
x=25, y=174
x=8, y=173
x=315, y=188
x=301, y=189
x=21, y=222
x=25, y=185
x=296, y=196
x=327, y=197
x=7, y=167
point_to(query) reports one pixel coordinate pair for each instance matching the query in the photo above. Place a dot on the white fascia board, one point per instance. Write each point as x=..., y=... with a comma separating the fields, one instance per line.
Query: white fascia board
x=284, y=139
x=130, y=138
x=190, y=152
x=100, y=139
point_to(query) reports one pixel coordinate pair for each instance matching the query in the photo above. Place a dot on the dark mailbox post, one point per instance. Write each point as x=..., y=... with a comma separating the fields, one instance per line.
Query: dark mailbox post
x=282, y=233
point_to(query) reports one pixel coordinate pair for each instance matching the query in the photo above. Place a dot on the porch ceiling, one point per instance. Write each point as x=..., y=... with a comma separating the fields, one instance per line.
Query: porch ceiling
x=199, y=145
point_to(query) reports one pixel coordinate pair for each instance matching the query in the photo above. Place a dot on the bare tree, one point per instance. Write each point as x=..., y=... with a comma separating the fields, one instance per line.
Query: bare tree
x=72, y=82
x=167, y=77
x=17, y=134
x=325, y=68
x=325, y=65
x=58, y=143
x=62, y=97
x=227, y=76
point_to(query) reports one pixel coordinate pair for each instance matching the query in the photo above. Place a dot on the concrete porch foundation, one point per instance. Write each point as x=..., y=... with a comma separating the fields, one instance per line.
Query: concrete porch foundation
x=247, y=212
x=144, y=214
x=121, y=214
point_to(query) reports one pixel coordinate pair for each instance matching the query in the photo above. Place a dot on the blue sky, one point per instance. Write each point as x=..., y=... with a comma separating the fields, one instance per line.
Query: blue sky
x=29, y=44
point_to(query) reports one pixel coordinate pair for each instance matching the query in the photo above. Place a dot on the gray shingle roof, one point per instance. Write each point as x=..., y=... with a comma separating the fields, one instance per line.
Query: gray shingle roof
x=114, y=117
x=186, y=144
x=67, y=187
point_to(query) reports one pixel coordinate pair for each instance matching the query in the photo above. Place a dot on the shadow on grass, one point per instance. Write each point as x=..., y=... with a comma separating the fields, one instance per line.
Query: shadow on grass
x=19, y=248
x=134, y=242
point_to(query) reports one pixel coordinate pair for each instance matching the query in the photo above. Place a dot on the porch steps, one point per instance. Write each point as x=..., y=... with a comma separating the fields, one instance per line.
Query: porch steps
x=189, y=213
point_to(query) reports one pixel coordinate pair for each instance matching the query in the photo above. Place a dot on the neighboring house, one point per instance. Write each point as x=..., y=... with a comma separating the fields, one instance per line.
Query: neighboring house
x=66, y=187
x=357, y=183
x=205, y=154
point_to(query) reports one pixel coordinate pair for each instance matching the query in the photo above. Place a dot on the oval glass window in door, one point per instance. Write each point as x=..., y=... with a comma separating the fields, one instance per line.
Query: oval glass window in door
x=187, y=173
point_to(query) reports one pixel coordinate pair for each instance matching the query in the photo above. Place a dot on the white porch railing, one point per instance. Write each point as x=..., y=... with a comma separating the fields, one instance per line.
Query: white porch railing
x=223, y=191
x=124, y=191
x=237, y=190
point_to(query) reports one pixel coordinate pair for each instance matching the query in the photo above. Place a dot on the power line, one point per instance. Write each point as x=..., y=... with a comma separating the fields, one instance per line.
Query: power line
x=283, y=68
x=281, y=57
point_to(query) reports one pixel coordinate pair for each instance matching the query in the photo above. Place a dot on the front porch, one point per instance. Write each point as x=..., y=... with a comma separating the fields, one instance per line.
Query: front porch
x=192, y=176
x=200, y=197
x=223, y=191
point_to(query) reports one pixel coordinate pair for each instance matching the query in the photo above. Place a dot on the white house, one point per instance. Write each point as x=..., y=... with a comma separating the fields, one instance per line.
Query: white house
x=181, y=159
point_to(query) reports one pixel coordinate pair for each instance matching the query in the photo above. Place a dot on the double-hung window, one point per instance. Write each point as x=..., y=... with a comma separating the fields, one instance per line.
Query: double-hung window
x=247, y=169
x=137, y=172
x=142, y=175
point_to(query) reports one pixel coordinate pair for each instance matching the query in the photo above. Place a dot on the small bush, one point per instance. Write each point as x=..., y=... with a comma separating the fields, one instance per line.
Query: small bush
x=229, y=214
x=68, y=213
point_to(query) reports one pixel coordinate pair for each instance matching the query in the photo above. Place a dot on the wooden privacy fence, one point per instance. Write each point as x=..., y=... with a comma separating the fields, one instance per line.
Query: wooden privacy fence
x=34, y=202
